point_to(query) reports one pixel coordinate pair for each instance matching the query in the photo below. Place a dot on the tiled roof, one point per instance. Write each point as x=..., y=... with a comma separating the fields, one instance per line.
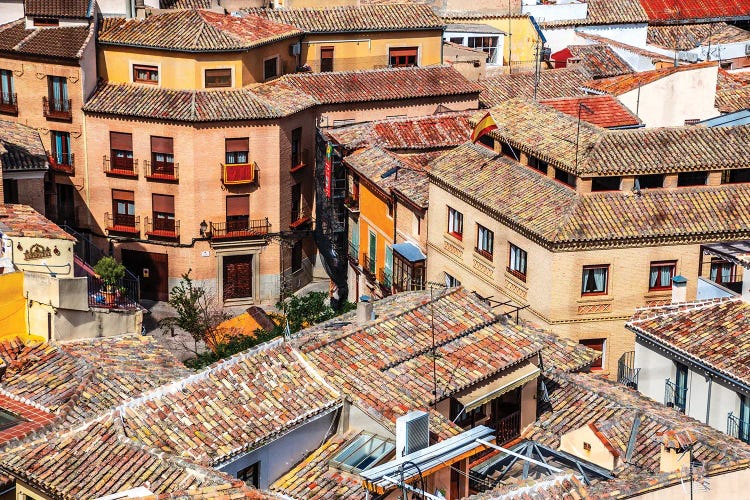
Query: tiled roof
x=22, y=220
x=58, y=8
x=185, y=4
x=379, y=85
x=731, y=100
x=314, y=479
x=599, y=60
x=556, y=217
x=618, y=85
x=687, y=36
x=21, y=148
x=235, y=490
x=99, y=459
x=606, y=111
x=654, y=56
x=196, y=31
x=552, y=84
x=357, y=18
x=576, y=401
x=555, y=137
x=32, y=418
x=727, y=80
x=424, y=132
x=606, y=12
x=713, y=333
x=232, y=407
x=58, y=43
x=143, y=101
x=680, y=10
x=561, y=486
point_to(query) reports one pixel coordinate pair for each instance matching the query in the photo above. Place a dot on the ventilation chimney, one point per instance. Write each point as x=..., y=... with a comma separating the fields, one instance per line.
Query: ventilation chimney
x=140, y=9
x=679, y=289
x=365, y=310
x=412, y=433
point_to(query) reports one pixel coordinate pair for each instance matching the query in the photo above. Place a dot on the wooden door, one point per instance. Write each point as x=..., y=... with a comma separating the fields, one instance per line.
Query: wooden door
x=153, y=271
x=238, y=276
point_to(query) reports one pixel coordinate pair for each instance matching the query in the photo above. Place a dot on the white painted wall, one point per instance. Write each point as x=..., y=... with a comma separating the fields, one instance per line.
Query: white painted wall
x=556, y=12
x=632, y=34
x=671, y=100
x=10, y=10
x=559, y=38
x=88, y=68
x=111, y=8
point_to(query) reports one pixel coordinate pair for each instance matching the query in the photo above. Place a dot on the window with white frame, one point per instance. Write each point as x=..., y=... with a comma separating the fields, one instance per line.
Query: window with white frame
x=487, y=44
x=455, y=223
x=517, y=262
x=485, y=241
x=451, y=281
x=595, y=280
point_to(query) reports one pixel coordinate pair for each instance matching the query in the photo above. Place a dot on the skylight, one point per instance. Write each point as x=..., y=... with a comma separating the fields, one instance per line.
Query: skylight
x=363, y=452
x=8, y=420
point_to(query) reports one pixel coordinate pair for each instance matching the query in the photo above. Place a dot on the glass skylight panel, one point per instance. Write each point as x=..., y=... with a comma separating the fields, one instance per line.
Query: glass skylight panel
x=363, y=452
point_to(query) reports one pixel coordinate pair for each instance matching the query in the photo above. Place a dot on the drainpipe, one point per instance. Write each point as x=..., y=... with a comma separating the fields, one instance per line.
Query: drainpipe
x=708, y=401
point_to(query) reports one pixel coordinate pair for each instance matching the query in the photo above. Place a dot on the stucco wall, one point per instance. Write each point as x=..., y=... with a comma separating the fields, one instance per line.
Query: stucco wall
x=12, y=305
x=10, y=10
x=729, y=485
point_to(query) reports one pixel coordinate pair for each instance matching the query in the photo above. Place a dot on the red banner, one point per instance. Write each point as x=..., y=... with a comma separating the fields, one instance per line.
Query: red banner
x=329, y=169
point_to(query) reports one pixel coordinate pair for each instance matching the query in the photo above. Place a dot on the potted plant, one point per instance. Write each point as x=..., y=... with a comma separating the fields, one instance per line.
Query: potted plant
x=110, y=272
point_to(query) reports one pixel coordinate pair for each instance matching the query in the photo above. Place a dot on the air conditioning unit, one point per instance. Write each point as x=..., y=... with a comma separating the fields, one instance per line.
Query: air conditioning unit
x=295, y=49
x=412, y=433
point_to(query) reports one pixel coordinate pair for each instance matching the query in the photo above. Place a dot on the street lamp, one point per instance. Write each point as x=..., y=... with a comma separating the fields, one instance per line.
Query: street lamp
x=203, y=227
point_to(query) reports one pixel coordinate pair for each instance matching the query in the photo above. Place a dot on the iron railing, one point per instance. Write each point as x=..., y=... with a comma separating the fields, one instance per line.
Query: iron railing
x=121, y=294
x=368, y=266
x=675, y=396
x=239, y=229
x=62, y=162
x=733, y=283
x=385, y=280
x=161, y=171
x=59, y=109
x=122, y=223
x=508, y=428
x=353, y=253
x=161, y=227
x=351, y=203
x=8, y=103
x=127, y=167
x=738, y=428
x=300, y=215
x=627, y=374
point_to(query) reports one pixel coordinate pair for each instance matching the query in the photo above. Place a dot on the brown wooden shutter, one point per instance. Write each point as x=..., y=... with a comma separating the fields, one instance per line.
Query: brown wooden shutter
x=162, y=145
x=118, y=194
x=121, y=141
x=238, y=205
x=234, y=145
x=404, y=51
x=163, y=203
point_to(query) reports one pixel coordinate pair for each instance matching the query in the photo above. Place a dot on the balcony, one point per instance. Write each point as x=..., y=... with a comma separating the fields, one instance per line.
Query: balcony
x=627, y=375
x=299, y=163
x=508, y=428
x=62, y=163
x=368, y=266
x=124, y=294
x=675, y=396
x=353, y=254
x=120, y=167
x=161, y=171
x=57, y=109
x=8, y=103
x=386, y=281
x=122, y=223
x=300, y=216
x=238, y=173
x=239, y=229
x=160, y=228
x=738, y=428
x=351, y=203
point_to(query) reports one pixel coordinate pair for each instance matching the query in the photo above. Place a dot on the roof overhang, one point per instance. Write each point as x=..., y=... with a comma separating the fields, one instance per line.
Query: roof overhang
x=499, y=386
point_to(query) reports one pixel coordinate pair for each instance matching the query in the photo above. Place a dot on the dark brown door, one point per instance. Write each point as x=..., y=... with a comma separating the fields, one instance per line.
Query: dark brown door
x=153, y=271
x=326, y=59
x=238, y=276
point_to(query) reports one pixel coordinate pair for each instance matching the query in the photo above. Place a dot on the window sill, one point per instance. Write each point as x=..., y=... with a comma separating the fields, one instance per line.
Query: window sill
x=516, y=280
x=658, y=293
x=454, y=238
x=487, y=257
x=602, y=297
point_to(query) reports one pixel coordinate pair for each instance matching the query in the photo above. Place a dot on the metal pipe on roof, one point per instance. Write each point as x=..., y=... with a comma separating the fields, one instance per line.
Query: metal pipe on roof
x=518, y=455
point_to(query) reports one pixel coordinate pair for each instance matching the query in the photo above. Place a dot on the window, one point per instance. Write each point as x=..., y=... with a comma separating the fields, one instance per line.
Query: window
x=8, y=420
x=605, y=183
x=595, y=280
x=373, y=247
x=61, y=147
x=722, y=272
x=297, y=202
x=238, y=213
x=237, y=150
x=389, y=206
x=10, y=190
x=485, y=241
x=692, y=179
x=7, y=88
x=465, y=418
x=123, y=207
x=660, y=277
x=487, y=44
x=538, y=164
x=650, y=181
x=46, y=21
x=586, y=446
x=517, y=262
x=565, y=177
x=692, y=121
x=487, y=141
x=459, y=40
x=451, y=281
x=146, y=74
x=214, y=78
x=407, y=274
x=162, y=155
x=510, y=151
x=597, y=345
x=296, y=256
x=743, y=431
x=163, y=213
x=735, y=175
x=326, y=59
x=58, y=94
x=121, y=149
x=296, y=147
x=402, y=57
x=251, y=475
x=270, y=68
x=681, y=386
x=455, y=223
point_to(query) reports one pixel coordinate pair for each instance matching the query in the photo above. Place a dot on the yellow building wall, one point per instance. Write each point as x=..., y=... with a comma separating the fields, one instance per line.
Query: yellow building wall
x=354, y=51
x=12, y=306
x=519, y=46
x=373, y=216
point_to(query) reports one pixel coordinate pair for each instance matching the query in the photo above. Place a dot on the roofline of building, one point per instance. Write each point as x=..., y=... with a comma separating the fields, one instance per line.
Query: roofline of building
x=247, y=48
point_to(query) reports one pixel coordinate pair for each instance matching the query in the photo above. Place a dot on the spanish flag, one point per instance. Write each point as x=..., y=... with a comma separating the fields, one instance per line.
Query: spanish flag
x=484, y=126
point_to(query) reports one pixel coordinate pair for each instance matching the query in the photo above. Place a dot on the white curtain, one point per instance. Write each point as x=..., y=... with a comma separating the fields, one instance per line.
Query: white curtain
x=726, y=270
x=600, y=278
x=666, y=275
x=654, y=276
x=714, y=272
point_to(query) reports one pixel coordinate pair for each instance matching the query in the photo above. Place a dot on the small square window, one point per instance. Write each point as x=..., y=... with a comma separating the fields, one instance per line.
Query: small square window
x=596, y=345
x=661, y=274
x=218, y=78
x=451, y=281
x=270, y=68
x=455, y=223
x=586, y=447
x=595, y=280
x=251, y=475
x=146, y=74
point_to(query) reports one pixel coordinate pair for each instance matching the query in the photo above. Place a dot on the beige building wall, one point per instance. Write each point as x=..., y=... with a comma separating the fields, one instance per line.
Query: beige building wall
x=552, y=290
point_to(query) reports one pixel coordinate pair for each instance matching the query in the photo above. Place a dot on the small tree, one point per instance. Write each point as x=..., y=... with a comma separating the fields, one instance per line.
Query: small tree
x=197, y=312
x=309, y=310
x=110, y=271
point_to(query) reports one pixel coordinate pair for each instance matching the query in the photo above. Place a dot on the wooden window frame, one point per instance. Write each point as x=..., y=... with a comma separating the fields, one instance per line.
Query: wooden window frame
x=459, y=235
x=276, y=67
x=150, y=69
x=598, y=364
x=487, y=254
x=606, y=280
x=403, y=52
x=219, y=86
x=661, y=286
x=520, y=274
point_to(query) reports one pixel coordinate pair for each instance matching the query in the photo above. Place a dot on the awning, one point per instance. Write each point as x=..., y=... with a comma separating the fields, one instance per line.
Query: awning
x=409, y=251
x=499, y=386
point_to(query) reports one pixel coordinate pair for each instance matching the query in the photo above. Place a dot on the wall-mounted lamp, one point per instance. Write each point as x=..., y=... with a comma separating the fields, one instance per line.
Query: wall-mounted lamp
x=203, y=228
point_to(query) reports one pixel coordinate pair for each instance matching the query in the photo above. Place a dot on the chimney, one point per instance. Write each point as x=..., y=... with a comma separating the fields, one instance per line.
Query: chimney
x=140, y=9
x=412, y=433
x=365, y=310
x=675, y=450
x=679, y=289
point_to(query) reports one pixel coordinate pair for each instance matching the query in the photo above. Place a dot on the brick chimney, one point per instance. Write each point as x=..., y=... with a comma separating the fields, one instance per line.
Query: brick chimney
x=679, y=289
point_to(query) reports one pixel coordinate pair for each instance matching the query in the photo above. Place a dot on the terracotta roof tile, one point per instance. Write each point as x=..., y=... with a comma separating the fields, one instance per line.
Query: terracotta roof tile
x=671, y=10
x=561, y=486
x=731, y=100
x=618, y=85
x=31, y=418
x=60, y=43
x=360, y=18
x=599, y=60
x=22, y=220
x=21, y=148
x=552, y=84
x=196, y=31
x=606, y=12
x=606, y=111
x=654, y=56
x=714, y=333
x=688, y=36
x=185, y=4
x=58, y=8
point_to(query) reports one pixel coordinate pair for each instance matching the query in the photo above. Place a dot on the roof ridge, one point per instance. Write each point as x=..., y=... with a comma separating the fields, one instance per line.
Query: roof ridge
x=676, y=308
x=27, y=38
